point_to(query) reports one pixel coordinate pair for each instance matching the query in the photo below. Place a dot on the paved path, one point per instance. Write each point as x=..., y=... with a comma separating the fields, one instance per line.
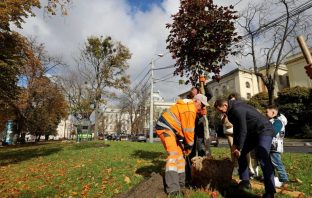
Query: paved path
x=293, y=146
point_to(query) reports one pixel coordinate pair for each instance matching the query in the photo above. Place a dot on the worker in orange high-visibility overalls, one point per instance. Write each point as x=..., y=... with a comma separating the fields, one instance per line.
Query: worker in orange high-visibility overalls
x=175, y=128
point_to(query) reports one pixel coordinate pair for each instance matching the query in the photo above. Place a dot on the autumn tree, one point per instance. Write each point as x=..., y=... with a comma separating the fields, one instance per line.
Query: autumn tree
x=14, y=51
x=268, y=40
x=200, y=38
x=17, y=59
x=11, y=46
x=134, y=102
x=32, y=77
x=48, y=107
x=103, y=64
x=15, y=11
x=76, y=93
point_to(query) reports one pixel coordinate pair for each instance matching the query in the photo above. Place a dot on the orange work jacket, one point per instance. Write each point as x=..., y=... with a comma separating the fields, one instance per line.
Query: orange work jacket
x=181, y=118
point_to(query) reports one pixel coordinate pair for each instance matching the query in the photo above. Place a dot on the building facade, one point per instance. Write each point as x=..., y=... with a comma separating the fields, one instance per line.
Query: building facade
x=296, y=72
x=240, y=81
x=281, y=82
x=114, y=120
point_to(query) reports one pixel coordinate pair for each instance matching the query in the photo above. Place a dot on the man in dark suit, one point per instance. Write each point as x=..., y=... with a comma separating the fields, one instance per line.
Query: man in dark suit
x=251, y=130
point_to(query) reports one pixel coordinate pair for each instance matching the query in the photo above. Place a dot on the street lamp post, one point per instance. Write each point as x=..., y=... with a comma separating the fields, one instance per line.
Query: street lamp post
x=151, y=132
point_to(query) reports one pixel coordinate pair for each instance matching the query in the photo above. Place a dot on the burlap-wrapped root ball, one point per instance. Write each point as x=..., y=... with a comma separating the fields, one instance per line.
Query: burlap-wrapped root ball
x=212, y=173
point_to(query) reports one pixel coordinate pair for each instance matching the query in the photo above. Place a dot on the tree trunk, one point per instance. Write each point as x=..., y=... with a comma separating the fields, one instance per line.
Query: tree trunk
x=22, y=138
x=38, y=138
x=96, y=127
x=270, y=88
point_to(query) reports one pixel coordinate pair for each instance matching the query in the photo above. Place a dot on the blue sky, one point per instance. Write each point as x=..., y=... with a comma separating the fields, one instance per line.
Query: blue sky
x=143, y=5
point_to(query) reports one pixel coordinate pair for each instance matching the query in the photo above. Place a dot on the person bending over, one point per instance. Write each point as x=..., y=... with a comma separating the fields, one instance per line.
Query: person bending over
x=251, y=130
x=175, y=128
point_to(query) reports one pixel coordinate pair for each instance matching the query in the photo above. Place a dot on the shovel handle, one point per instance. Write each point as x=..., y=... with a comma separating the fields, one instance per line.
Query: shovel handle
x=304, y=49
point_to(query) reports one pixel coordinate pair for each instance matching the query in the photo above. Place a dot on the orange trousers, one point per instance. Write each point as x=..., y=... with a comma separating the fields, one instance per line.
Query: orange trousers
x=175, y=164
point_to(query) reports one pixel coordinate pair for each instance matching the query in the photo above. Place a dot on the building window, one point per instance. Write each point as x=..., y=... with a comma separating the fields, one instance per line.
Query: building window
x=248, y=96
x=280, y=78
x=247, y=85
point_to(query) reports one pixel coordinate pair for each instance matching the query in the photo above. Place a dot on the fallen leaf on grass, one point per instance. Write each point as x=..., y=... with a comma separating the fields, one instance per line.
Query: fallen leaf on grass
x=103, y=187
x=79, y=166
x=105, y=180
x=116, y=191
x=127, y=180
x=298, y=180
x=74, y=193
x=86, y=189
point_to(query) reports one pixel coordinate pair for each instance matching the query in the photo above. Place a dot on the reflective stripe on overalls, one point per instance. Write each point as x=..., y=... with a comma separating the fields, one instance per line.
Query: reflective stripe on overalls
x=175, y=163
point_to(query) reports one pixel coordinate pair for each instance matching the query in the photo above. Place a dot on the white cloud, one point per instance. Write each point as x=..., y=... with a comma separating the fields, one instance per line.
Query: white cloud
x=144, y=33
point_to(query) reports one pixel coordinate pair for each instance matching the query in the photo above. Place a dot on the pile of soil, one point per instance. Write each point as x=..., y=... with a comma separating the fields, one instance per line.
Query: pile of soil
x=217, y=174
x=152, y=188
x=212, y=173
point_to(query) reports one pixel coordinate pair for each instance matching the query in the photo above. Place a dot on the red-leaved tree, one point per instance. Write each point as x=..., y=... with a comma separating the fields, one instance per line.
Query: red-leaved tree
x=201, y=37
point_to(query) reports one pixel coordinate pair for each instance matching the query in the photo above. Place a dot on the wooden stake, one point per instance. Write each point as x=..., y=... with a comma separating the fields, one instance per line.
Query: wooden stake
x=305, y=50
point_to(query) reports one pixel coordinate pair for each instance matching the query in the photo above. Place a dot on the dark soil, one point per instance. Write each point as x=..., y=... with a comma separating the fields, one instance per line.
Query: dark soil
x=208, y=175
x=153, y=187
x=150, y=188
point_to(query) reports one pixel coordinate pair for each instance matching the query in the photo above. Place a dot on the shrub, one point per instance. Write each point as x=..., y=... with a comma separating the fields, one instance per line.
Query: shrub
x=260, y=101
x=295, y=104
x=307, y=131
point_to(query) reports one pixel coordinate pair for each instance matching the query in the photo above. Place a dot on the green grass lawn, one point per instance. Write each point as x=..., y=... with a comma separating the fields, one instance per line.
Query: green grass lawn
x=92, y=169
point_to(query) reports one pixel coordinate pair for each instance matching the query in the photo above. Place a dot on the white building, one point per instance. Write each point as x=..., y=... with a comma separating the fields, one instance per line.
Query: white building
x=110, y=118
x=240, y=81
x=66, y=128
x=296, y=71
x=281, y=82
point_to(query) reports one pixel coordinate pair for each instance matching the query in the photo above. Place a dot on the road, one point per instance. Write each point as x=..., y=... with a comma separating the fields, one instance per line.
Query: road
x=292, y=147
x=298, y=149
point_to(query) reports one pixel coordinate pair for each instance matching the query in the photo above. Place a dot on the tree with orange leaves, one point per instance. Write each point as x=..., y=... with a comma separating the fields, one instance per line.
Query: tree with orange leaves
x=16, y=53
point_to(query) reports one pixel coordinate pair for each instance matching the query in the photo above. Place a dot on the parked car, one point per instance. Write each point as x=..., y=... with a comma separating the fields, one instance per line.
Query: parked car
x=114, y=136
x=213, y=138
x=140, y=138
x=124, y=137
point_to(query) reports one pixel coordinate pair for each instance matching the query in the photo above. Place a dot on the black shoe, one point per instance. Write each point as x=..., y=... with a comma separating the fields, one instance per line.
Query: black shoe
x=244, y=185
x=268, y=195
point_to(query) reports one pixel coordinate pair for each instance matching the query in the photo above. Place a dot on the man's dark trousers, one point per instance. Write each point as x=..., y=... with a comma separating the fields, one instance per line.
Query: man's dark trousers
x=262, y=144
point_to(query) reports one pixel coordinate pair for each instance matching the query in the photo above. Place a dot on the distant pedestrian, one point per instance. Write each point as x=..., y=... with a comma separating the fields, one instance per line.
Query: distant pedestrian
x=279, y=122
x=251, y=130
